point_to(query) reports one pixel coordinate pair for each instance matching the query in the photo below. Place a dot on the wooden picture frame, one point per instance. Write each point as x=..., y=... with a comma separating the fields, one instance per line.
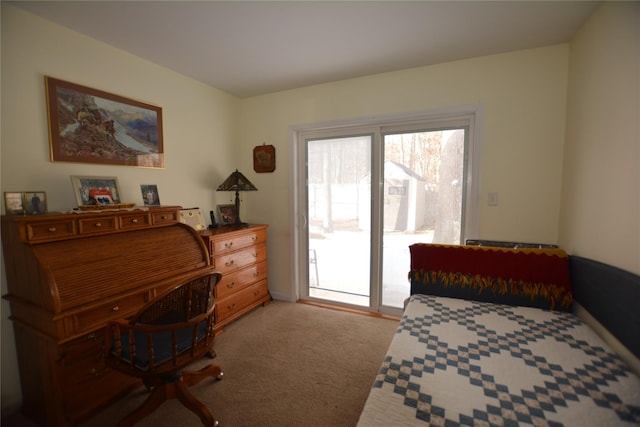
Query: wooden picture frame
x=227, y=214
x=264, y=158
x=34, y=202
x=14, y=203
x=150, y=195
x=93, y=191
x=88, y=125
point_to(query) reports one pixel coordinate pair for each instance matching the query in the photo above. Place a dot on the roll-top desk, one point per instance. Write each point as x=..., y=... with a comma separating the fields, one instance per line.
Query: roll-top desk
x=240, y=254
x=67, y=276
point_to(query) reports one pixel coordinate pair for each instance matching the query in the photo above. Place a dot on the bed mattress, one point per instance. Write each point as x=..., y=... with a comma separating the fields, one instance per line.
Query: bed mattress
x=459, y=362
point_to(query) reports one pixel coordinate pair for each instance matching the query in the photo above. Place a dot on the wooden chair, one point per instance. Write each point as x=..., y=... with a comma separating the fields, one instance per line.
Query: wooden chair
x=166, y=335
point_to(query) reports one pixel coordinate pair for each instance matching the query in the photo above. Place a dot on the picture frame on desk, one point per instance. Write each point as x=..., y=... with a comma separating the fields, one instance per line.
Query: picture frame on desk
x=193, y=218
x=35, y=202
x=93, y=190
x=13, y=203
x=227, y=214
x=25, y=202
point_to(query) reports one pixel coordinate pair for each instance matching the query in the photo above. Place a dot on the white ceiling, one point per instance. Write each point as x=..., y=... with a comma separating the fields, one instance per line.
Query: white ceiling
x=249, y=48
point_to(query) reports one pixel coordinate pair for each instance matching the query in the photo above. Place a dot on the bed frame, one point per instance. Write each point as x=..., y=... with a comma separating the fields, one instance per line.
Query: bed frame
x=611, y=295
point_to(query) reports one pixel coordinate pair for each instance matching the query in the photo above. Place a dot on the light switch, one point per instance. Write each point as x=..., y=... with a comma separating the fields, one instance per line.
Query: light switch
x=492, y=199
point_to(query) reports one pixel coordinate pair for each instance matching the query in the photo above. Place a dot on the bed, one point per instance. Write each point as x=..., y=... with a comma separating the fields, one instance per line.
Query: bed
x=488, y=338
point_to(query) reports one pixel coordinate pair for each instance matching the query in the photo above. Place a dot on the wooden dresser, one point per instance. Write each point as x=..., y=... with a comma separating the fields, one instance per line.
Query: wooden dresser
x=67, y=275
x=240, y=254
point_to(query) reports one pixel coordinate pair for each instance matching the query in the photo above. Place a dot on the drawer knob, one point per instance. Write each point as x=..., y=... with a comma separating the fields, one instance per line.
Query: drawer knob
x=98, y=224
x=228, y=263
x=163, y=217
x=231, y=285
x=52, y=229
x=232, y=306
x=228, y=245
x=116, y=308
x=255, y=254
x=134, y=221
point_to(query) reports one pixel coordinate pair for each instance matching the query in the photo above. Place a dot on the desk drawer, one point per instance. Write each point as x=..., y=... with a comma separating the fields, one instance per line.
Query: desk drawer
x=42, y=231
x=165, y=217
x=135, y=220
x=97, y=225
x=98, y=316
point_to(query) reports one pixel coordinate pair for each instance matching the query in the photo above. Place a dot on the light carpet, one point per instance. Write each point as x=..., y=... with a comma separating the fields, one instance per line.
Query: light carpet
x=284, y=364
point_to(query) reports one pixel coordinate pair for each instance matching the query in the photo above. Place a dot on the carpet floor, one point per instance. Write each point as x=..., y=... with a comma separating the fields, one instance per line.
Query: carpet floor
x=284, y=364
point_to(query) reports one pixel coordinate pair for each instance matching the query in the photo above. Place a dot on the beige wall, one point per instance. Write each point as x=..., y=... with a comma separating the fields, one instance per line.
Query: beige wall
x=522, y=95
x=601, y=181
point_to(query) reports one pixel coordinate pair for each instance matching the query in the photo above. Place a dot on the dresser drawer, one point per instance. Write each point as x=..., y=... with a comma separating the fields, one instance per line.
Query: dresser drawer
x=135, y=220
x=236, y=260
x=239, y=300
x=241, y=279
x=97, y=225
x=231, y=243
x=41, y=231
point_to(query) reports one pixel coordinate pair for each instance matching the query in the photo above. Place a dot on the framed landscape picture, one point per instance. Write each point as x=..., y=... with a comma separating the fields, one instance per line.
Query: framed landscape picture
x=92, y=126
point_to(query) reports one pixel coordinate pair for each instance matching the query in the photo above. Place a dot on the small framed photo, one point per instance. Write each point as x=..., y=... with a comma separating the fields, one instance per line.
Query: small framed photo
x=34, y=202
x=13, y=203
x=227, y=214
x=150, y=195
x=96, y=190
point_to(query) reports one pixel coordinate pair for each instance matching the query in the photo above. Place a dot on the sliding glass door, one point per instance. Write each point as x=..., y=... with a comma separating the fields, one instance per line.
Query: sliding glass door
x=364, y=195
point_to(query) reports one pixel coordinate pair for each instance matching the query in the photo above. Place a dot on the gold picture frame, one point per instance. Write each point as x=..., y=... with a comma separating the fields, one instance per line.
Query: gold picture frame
x=88, y=125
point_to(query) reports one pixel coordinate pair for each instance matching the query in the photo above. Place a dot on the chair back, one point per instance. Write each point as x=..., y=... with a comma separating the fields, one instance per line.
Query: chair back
x=169, y=332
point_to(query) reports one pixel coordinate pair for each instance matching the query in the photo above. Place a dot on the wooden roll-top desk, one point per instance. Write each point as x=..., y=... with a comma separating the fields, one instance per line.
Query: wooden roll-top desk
x=68, y=274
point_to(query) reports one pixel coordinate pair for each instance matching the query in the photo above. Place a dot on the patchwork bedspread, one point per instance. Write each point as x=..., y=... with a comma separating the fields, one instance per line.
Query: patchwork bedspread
x=457, y=362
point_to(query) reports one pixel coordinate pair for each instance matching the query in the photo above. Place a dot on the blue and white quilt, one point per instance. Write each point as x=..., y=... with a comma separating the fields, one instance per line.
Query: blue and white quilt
x=456, y=362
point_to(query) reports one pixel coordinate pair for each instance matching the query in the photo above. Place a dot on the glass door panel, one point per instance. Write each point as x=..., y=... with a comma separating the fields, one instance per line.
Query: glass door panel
x=422, y=200
x=339, y=219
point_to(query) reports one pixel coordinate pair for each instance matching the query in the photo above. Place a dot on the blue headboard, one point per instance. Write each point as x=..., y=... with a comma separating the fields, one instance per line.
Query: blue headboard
x=611, y=295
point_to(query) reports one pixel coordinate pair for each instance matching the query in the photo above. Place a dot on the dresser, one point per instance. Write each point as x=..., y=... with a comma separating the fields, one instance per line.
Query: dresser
x=68, y=274
x=240, y=254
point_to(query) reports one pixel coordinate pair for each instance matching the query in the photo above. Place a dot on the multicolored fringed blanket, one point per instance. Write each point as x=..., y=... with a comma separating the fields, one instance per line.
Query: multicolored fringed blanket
x=455, y=362
x=529, y=277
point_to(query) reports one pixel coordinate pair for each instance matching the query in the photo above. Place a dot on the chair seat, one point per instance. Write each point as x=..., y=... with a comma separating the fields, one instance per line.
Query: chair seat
x=162, y=345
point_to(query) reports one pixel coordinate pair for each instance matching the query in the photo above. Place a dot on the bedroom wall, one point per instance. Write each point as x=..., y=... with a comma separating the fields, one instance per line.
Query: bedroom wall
x=522, y=95
x=199, y=128
x=600, y=210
